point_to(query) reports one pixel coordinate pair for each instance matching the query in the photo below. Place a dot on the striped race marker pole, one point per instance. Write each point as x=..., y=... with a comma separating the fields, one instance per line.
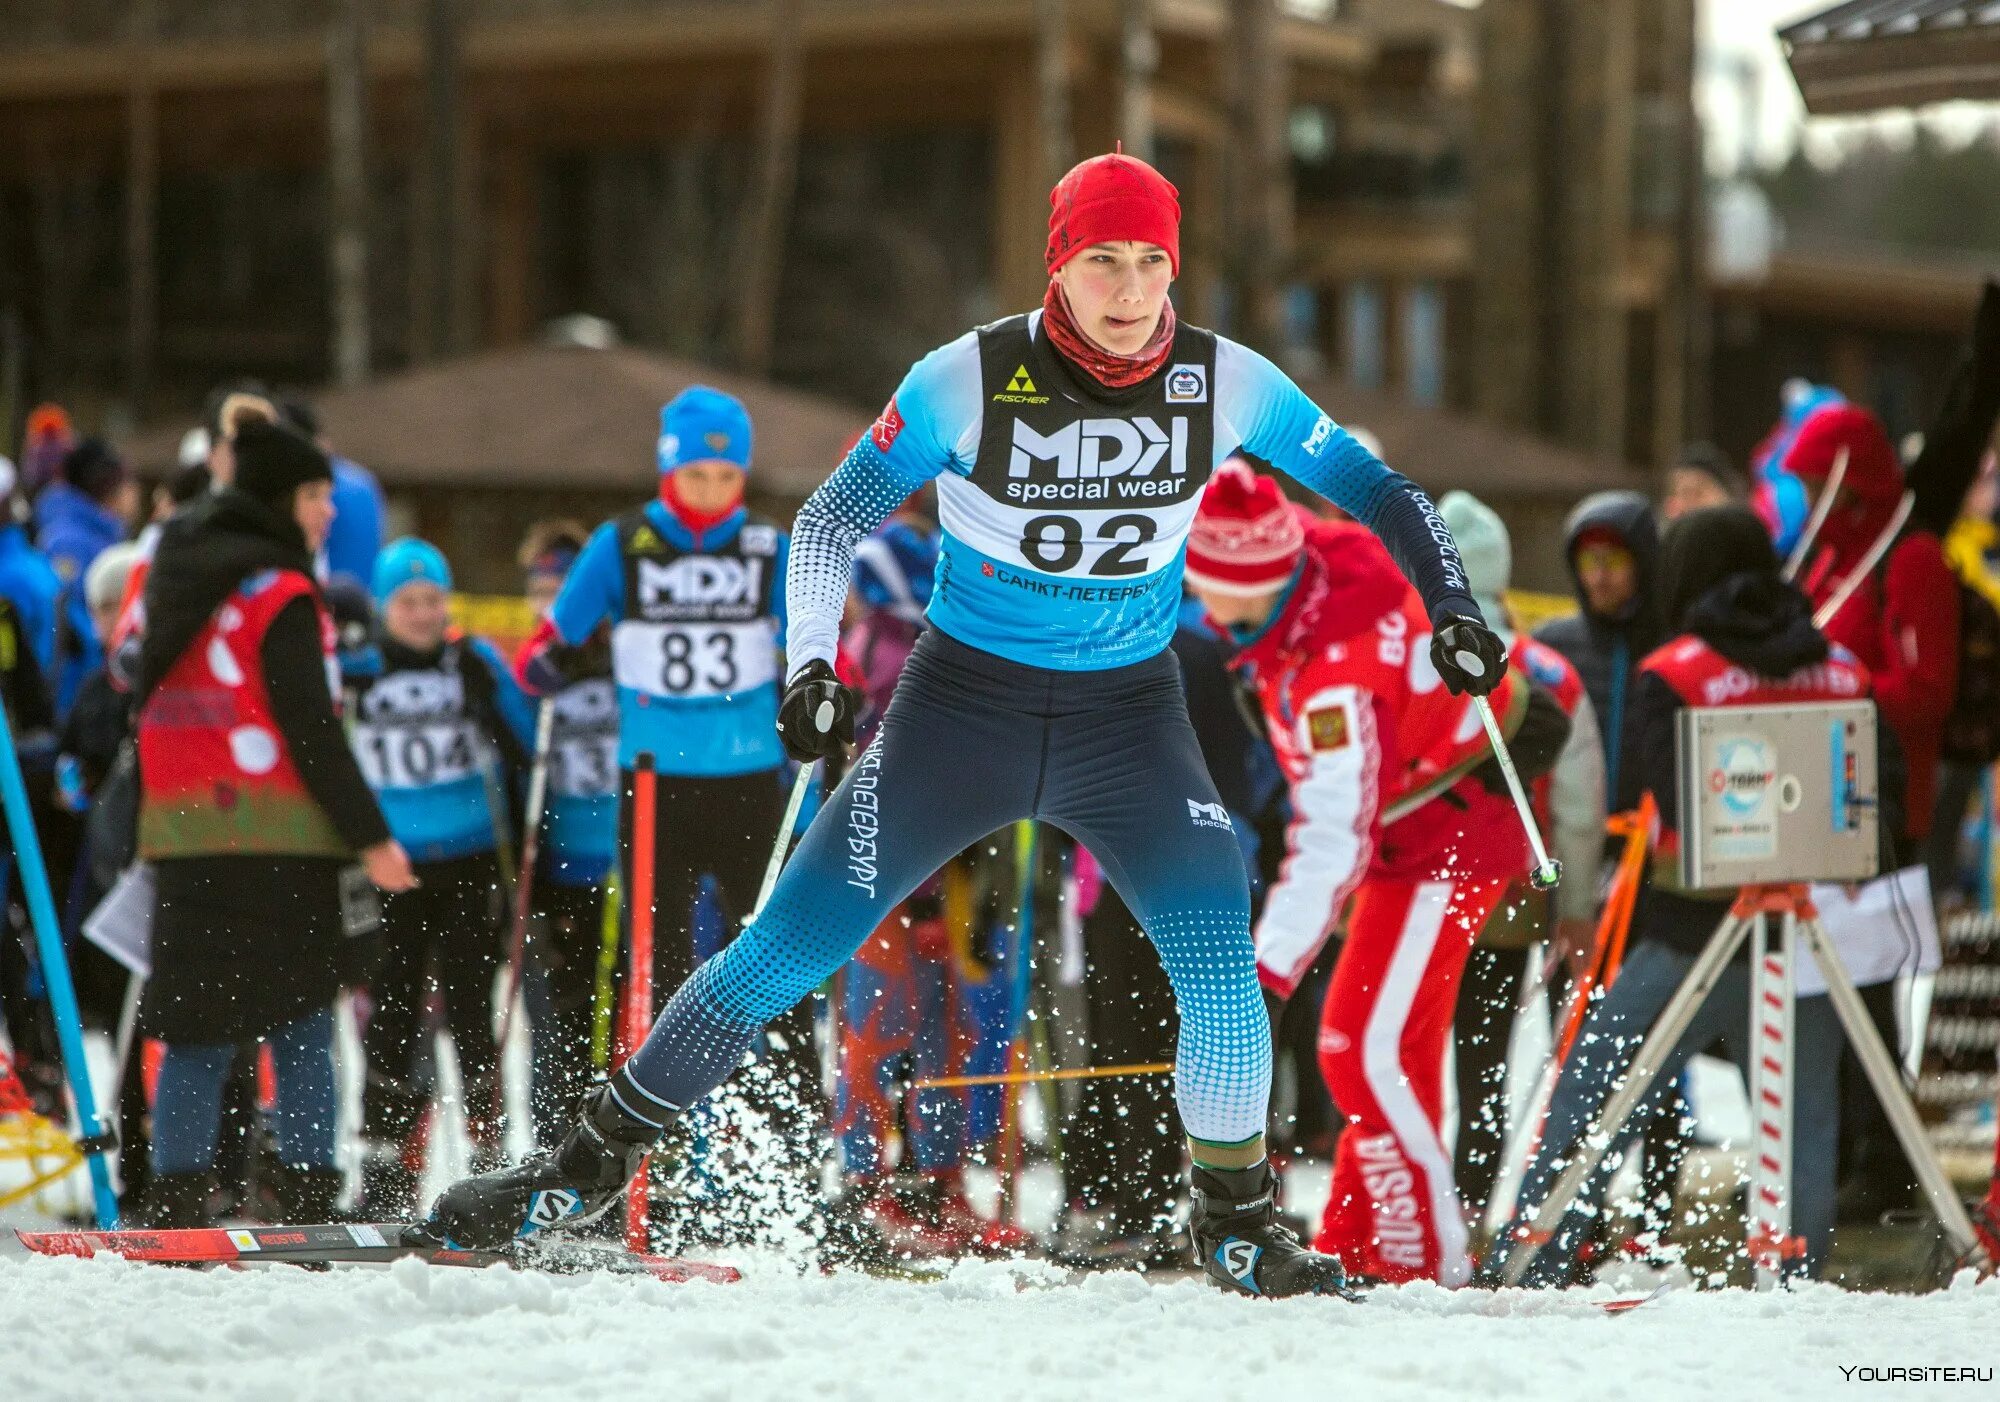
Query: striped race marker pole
x=1772, y=1043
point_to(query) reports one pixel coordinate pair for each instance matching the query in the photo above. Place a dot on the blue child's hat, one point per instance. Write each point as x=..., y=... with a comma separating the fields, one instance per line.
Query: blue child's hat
x=407, y=561
x=701, y=424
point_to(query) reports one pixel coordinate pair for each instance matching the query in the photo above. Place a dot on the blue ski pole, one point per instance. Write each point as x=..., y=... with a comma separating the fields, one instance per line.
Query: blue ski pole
x=96, y=1140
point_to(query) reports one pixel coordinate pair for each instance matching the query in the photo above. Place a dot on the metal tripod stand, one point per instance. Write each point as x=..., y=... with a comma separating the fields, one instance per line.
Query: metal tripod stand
x=1771, y=1007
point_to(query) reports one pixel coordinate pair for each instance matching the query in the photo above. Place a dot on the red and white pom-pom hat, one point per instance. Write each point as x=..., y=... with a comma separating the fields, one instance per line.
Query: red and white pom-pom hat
x=1246, y=536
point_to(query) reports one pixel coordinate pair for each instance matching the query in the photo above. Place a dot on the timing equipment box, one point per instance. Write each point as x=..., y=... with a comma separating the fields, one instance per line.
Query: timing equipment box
x=1777, y=794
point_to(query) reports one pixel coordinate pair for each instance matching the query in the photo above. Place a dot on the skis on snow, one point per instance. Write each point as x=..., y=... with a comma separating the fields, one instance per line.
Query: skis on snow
x=358, y=1242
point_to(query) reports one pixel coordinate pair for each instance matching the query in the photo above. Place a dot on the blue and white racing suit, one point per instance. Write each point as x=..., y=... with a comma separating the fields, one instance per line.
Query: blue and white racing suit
x=1044, y=687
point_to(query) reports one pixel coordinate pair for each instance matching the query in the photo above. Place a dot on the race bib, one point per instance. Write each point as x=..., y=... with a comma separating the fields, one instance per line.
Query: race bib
x=585, y=766
x=687, y=660
x=415, y=755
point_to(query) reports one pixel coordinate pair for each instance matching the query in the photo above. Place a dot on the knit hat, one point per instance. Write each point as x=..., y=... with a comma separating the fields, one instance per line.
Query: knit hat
x=1705, y=548
x=409, y=561
x=1488, y=552
x=701, y=424
x=273, y=462
x=93, y=468
x=1246, y=537
x=48, y=438
x=1712, y=462
x=104, y=582
x=1107, y=199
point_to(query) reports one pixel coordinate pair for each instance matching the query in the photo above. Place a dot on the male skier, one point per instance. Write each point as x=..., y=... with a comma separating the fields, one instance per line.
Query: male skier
x=1069, y=447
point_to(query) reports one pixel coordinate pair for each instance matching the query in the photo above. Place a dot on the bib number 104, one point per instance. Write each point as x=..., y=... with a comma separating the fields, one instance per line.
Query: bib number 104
x=1057, y=544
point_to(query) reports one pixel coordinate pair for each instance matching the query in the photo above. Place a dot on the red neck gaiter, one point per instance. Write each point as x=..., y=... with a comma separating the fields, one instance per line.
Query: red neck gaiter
x=1109, y=370
x=699, y=522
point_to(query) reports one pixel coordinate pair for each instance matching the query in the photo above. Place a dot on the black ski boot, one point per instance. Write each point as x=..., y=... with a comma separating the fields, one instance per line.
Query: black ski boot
x=1242, y=1248
x=576, y=1184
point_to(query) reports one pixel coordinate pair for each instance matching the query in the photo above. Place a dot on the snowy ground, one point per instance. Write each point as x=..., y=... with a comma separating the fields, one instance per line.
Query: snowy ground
x=92, y=1329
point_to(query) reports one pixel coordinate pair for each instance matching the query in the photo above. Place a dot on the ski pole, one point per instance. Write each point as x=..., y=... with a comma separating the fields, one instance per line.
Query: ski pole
x=602, y=999
x=1796, y=560
x=639, y=987
x=1824, y=614
x=1606, y=955
x=801, y=785
x=96, y=1139
x=1547, y=873
x=524, y=882
x=1017, y=1051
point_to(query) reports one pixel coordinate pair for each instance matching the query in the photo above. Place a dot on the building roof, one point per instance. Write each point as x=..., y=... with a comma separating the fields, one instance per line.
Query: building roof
x=549, y=416
x=1872, y=285
x=1442, y=450
x=1869, y=54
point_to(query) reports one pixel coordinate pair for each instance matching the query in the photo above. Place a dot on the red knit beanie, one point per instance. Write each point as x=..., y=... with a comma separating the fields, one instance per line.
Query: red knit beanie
x=1107, y=199
x=1246, y=537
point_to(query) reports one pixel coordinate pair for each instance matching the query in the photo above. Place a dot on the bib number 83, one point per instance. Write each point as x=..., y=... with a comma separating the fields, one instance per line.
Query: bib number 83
x=713, y=664
x=1056, y=544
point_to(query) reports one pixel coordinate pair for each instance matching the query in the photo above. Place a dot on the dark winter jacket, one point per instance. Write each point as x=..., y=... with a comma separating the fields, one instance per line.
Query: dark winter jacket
x=243, y=945
x=1719, y=580
x=1606, y=650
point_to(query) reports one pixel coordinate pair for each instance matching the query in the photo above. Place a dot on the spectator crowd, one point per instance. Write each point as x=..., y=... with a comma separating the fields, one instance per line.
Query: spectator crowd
x=250, y=724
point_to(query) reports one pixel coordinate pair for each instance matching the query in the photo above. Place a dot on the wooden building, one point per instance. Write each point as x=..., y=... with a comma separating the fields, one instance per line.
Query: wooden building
x=320, y=191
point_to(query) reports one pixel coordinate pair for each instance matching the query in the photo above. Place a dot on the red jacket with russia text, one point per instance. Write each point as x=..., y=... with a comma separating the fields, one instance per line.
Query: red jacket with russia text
x=1375, y=748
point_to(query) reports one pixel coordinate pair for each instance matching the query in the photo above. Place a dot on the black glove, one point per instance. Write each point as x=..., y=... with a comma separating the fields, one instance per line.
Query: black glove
x=1535, y=746
x=1467, y=654
x=587, y=661
x=816, y=718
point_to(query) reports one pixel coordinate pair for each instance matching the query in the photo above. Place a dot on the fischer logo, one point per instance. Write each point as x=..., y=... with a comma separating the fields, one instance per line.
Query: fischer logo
x=1399, y=1222
x=1209, y=815
x=700, y=579
x=1088, y=454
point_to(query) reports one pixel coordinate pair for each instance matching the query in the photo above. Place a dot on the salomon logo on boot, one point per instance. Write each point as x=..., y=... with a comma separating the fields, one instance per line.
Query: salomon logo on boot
x=551, y=1206
x=1239, y=1258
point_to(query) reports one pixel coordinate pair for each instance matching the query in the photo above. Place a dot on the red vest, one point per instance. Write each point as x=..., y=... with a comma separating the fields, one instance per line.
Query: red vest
x=216, y=776
x=1701, y=676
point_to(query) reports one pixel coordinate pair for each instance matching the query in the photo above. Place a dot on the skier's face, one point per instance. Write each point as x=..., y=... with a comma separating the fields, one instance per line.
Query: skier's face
x=1116, y=292
x=416, y=615
x=1691, y=489
x=709, y=485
